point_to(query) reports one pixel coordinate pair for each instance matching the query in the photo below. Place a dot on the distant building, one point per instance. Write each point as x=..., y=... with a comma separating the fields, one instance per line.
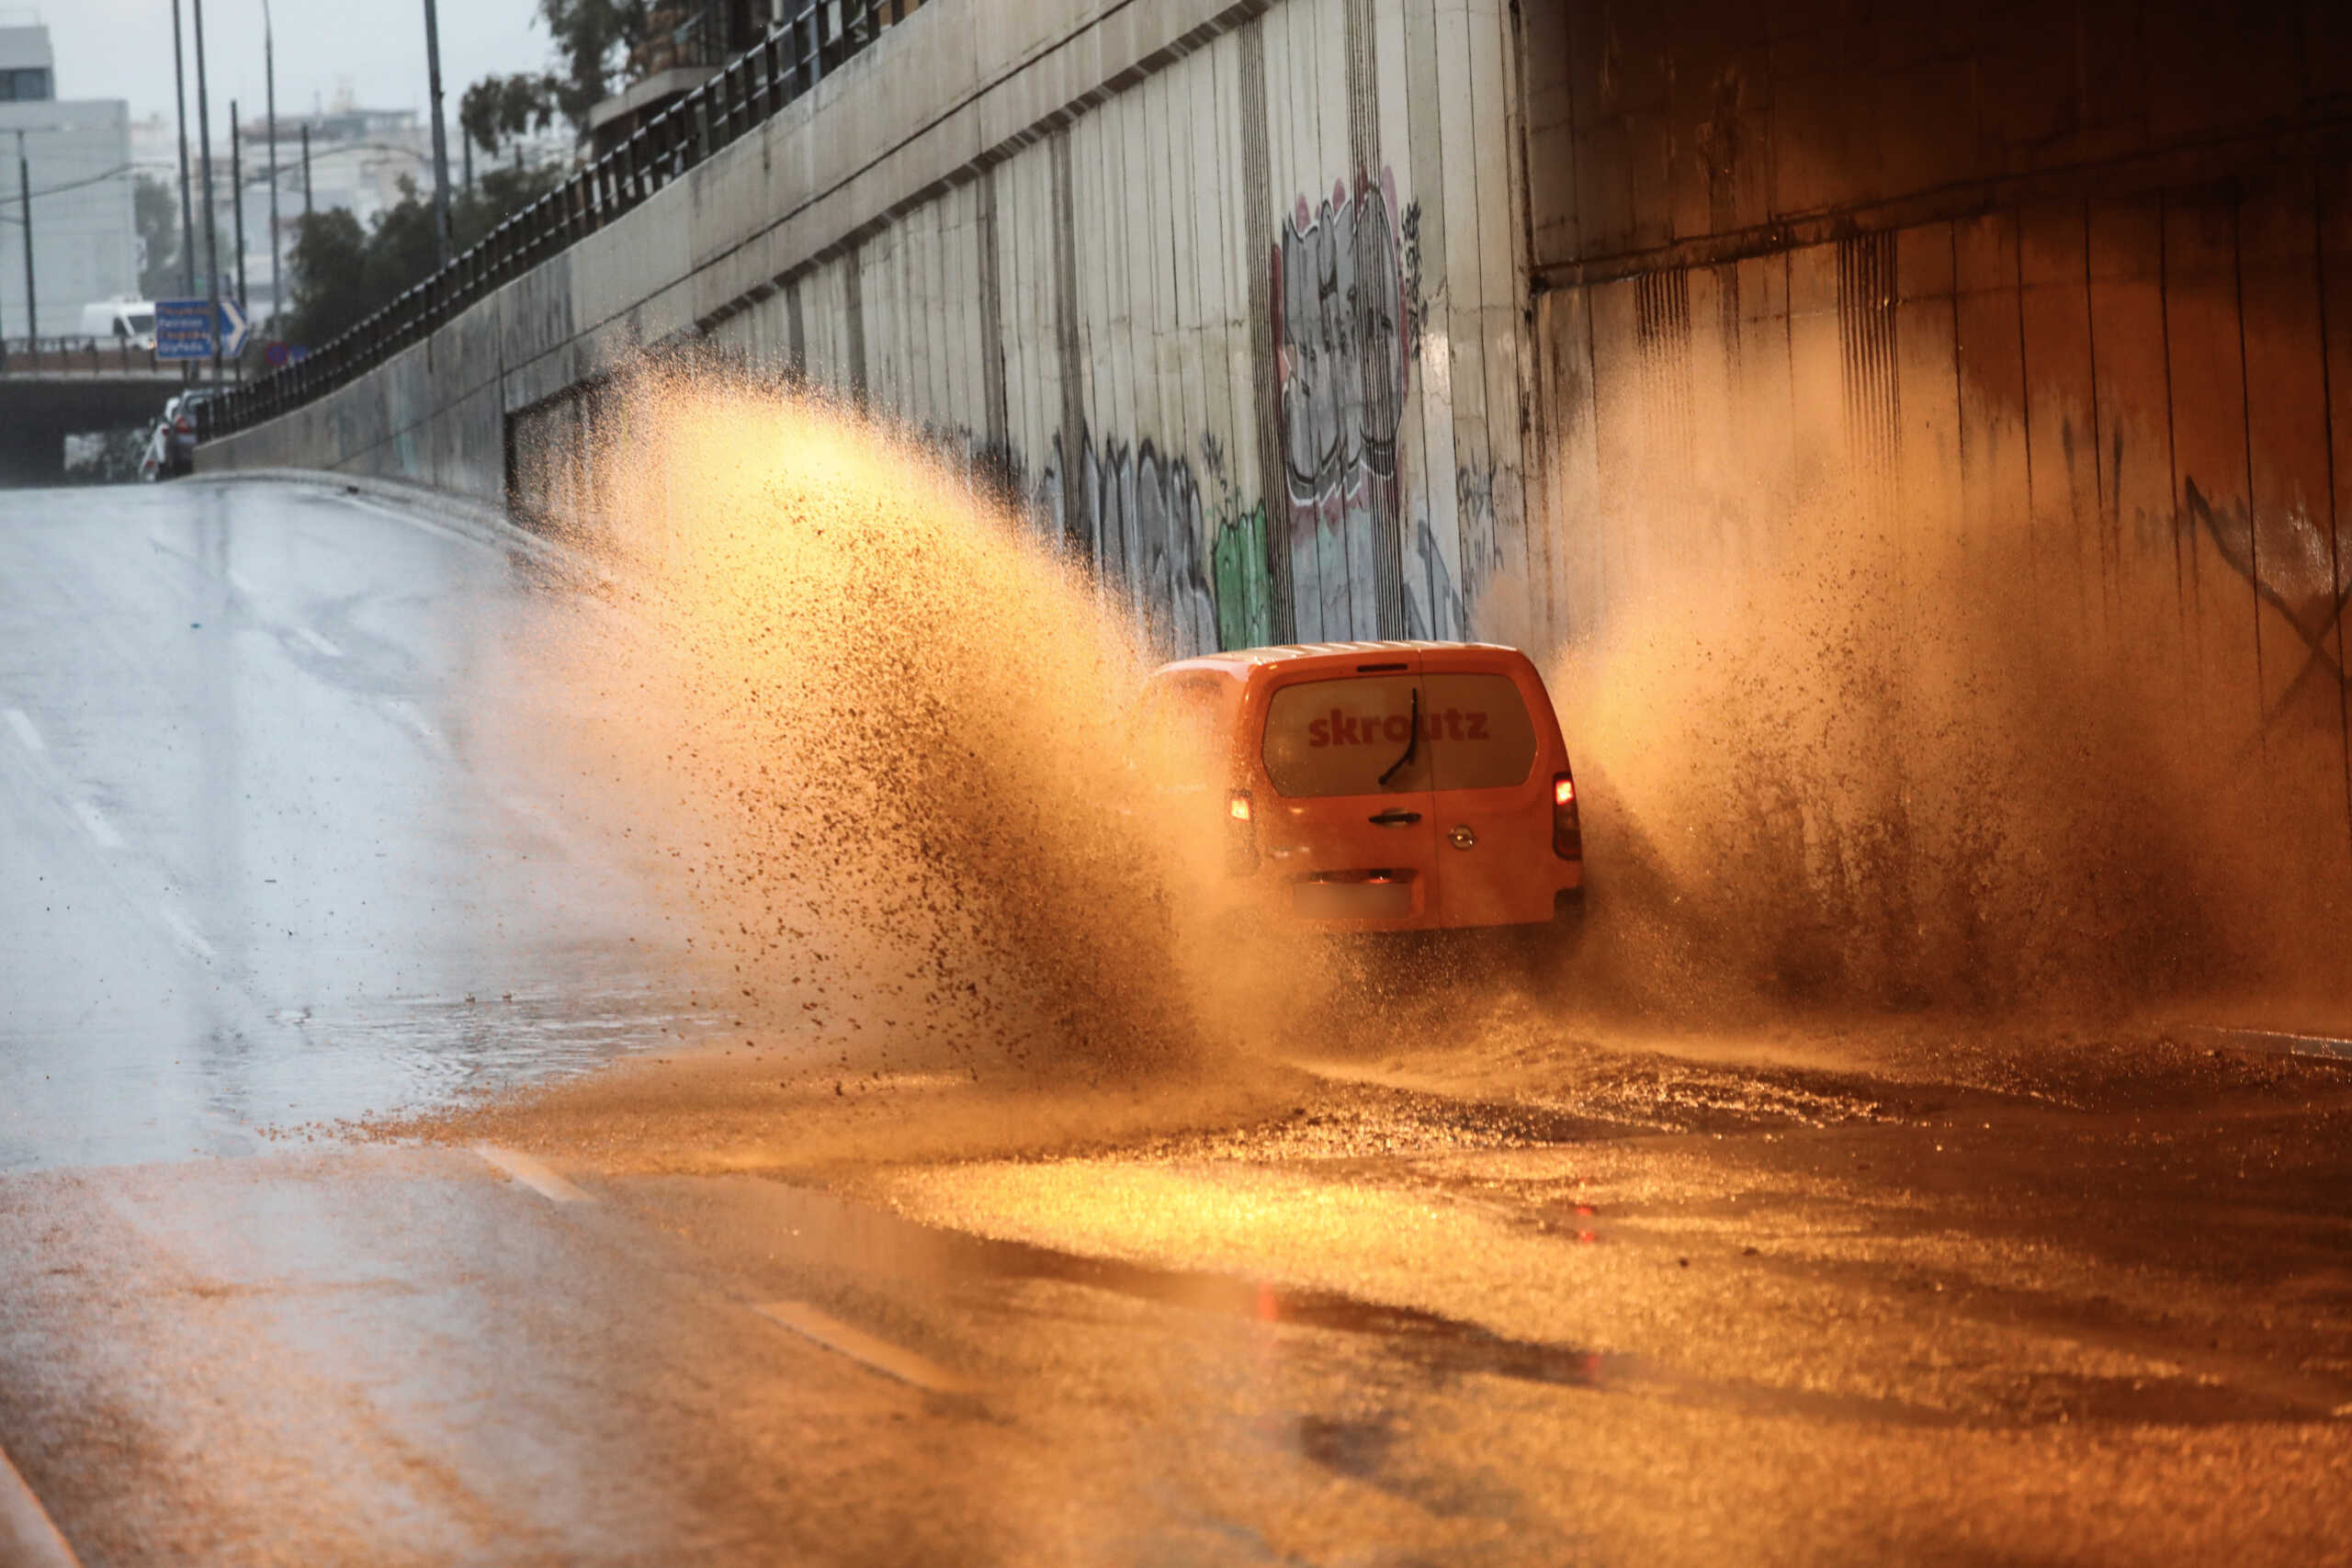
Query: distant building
x=358, y=157
x=77, y=153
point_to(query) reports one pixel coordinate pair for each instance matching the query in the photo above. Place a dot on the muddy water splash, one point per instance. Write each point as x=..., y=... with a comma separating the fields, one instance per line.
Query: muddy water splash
x=1844, y=745
x=887, y=734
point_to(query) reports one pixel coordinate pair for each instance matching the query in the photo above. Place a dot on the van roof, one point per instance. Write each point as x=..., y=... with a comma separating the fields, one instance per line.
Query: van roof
x=1240, y=662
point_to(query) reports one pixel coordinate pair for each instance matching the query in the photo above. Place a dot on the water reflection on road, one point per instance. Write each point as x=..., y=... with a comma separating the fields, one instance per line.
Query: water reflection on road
x=281, y=841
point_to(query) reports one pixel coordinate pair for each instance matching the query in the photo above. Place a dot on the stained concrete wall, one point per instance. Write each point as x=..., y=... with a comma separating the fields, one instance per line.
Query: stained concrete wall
x=1322, y=317
x=1230, y=294
x=1920, y=441
x=1990, y=366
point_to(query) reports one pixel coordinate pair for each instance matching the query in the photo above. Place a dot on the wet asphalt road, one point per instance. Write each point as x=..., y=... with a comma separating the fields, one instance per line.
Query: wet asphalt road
x=260, y=848
x=271, y=859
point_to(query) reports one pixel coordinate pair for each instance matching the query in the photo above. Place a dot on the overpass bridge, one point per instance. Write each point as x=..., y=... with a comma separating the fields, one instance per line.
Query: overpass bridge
x=61, y=388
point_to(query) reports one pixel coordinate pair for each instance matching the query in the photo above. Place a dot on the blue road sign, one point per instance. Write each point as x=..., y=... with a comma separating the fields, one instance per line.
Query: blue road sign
x=183, y=328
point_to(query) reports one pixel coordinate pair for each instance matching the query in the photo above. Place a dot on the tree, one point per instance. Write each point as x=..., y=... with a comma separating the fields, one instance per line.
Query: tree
x=329, y=262
x=500, y=108
x=497, y=196
x=593, y=38
x=344, y=273
x=593, y=41
x=155, y=207
x=400, y=250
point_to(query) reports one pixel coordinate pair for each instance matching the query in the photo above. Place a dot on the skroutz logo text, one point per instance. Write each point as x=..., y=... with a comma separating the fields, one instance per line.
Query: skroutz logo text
x=1343, y=728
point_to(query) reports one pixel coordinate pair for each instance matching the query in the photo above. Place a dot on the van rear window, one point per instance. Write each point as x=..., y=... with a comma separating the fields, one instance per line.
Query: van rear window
x=1340, y=736
x=1488, y=741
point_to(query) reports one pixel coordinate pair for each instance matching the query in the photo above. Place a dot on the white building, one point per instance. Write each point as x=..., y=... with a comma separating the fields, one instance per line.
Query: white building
x=78, y=155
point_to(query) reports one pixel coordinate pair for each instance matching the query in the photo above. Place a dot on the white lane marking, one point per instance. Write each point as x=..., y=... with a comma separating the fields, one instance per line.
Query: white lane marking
x=101, y=830
x=890, y=1361
x=316, y=641
x=28, y=1538
x=243, y=586
x=531, y=1174
x=26, y=733
x=186, y=933
x=406, y=712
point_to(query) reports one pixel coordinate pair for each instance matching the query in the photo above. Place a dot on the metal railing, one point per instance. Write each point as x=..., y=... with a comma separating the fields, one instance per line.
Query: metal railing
x=78, y=355
x=797, y=54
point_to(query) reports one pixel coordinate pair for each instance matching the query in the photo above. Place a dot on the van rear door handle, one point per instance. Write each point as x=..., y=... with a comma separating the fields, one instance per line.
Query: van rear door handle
x=1394, y=818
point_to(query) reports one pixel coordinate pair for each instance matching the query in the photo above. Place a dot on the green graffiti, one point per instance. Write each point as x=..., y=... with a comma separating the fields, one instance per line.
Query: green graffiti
x=1245, y=585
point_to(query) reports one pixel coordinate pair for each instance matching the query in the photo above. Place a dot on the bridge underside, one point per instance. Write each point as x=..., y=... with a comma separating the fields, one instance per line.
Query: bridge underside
x=38, y=412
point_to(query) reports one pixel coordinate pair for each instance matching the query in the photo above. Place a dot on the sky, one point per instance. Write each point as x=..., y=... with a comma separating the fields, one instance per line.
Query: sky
x=122, y=49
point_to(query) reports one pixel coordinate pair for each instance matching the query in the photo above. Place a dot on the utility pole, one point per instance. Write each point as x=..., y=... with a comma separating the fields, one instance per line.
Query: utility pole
x=211, y=225
x=306, y=168
x=25, y=195
x=270, y=77
x=440, y=136
x=187, y=213
x=237, y=198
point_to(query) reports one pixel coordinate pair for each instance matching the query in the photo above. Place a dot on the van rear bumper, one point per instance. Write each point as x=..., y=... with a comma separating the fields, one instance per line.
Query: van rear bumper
x=1276, y=899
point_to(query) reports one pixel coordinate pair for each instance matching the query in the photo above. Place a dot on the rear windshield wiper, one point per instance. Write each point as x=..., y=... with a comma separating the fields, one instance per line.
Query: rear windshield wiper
x=1412, y=743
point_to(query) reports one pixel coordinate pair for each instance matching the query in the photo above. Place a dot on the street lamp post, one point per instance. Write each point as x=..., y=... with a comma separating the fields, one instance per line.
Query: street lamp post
x=25, y=198
x=269, y=79
x=211, y=225
x=237, y=198
x=187, y=214
x=440, y=136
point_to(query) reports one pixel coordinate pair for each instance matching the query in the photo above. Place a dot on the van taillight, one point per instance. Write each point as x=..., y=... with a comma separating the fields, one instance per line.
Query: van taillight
x=1241, y=834
x=185, y=426
x=1567, y=835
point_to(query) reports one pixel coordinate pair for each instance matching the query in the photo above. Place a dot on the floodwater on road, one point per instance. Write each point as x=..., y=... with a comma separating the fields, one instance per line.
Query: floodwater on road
x=271, y=858
x=525, y=1047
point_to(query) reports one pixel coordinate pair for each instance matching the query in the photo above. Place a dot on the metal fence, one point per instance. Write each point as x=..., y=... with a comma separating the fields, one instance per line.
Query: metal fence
x=79, y=356
x=798, y=52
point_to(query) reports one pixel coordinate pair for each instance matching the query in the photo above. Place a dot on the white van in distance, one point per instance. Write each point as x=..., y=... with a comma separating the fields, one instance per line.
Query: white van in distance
x=126, y=322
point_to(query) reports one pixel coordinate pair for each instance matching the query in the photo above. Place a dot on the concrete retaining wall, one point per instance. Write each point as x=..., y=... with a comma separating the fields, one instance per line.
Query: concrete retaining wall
x=1927, y=428
x=1296, y=312
x=1232, y=293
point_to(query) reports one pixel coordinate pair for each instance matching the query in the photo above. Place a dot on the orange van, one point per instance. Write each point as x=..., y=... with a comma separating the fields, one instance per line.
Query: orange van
x=1383, y=786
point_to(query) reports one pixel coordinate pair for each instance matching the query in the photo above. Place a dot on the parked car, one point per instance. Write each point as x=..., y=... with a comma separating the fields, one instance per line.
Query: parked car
x=179, y=417
x=1380, y=785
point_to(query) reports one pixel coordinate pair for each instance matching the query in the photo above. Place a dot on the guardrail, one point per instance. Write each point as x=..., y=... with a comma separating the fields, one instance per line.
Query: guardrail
x=795, y=56
x=78, y=357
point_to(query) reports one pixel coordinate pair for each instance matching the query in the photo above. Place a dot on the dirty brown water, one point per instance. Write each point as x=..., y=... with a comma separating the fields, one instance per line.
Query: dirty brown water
x=873, y=730
x=1678, y=1238
x=863, y=733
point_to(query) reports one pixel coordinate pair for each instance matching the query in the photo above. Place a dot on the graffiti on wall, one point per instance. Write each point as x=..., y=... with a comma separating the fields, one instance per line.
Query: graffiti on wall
x=1437, y=604
x=2287, y=558
x=1245, y=584
x=1343, y=333
x=1190, y=569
